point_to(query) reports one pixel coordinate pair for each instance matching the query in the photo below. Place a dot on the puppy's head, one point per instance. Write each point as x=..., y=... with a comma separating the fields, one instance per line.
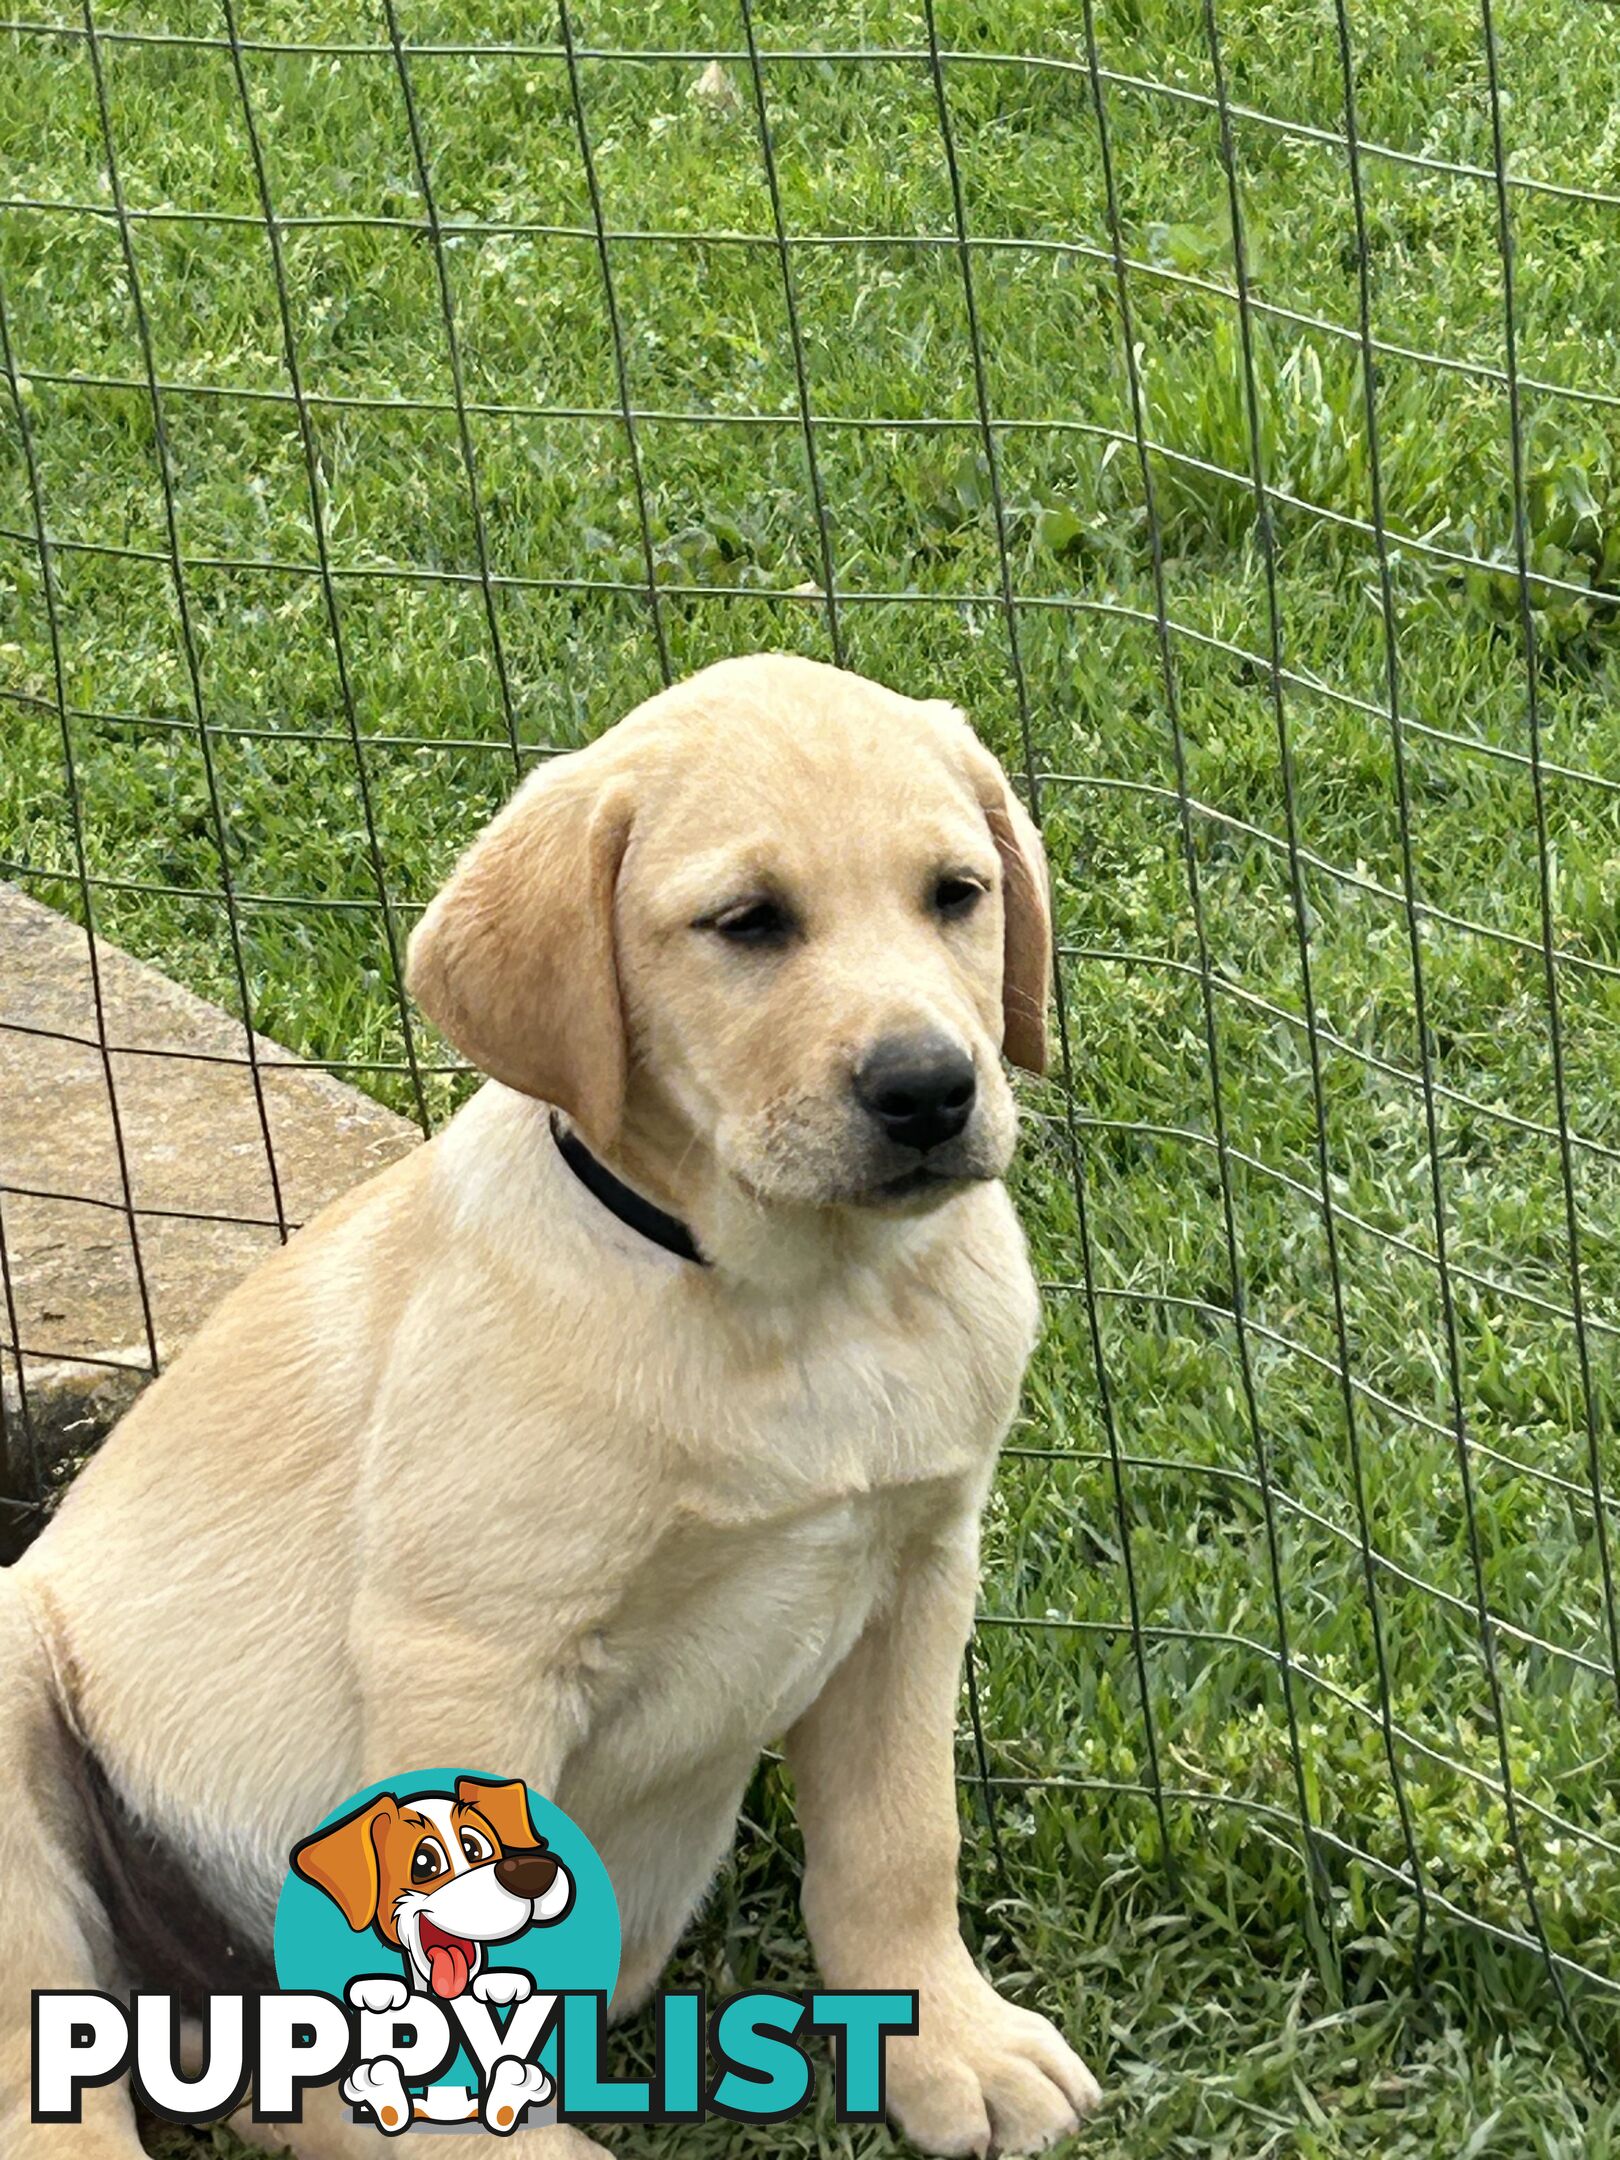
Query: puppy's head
x=439, y=1875
x=781, y=912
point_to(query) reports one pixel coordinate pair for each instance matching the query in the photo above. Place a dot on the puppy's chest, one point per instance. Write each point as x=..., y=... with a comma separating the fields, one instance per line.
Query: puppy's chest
x=816, y=1423
x=775, y=1492
x=773, y=1539
x=733, y=1627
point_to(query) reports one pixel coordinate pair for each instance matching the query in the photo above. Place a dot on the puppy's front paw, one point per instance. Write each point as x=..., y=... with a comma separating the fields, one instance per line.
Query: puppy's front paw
x=982, y=2075
x=513, y=2086
x=377, y=1992
x=503, y=1984
x=379, y=2086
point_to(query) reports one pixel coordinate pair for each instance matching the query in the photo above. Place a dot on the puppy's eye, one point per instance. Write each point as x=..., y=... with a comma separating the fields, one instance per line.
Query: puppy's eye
x=956, y=896
x=753, y=922
x=476, y=1847
x=428, y=1860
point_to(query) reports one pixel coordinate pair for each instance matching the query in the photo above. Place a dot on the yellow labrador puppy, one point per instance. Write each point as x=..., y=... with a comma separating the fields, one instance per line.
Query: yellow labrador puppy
x=644, y=1415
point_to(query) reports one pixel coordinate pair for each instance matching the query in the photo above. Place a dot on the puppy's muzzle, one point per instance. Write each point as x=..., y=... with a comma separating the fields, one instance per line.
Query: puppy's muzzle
x=527, y=1874
x=917, y=1089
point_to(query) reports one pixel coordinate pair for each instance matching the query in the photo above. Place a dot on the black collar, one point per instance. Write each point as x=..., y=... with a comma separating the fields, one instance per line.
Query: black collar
x=619, y=1199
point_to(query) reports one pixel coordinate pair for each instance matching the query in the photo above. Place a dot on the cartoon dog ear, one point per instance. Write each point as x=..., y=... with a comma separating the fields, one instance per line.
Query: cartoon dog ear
x=514, y=960
x=1026, y=899
x=505, y=1808
x=343, y=1860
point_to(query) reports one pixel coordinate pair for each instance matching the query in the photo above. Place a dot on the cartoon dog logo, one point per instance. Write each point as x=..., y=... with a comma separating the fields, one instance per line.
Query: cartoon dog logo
x=438, y=1877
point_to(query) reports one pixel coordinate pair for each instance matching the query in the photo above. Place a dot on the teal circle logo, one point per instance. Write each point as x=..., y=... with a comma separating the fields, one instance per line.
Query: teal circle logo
x=448, y=1902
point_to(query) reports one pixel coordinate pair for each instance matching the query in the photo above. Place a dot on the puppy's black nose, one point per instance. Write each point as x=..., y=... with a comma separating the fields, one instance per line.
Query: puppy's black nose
x=527, y=1874
x=919, y=1088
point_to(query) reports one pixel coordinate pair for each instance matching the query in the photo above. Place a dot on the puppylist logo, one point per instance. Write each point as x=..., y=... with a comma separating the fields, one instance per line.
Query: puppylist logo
x=446, y=1947
x=440, y=1903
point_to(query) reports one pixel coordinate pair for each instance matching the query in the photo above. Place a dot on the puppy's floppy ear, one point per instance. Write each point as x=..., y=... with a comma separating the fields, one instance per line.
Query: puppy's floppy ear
x=514, y=960
x=1026, y=895
x=1026, y=892
x=342, y=1861
x=505, y=1808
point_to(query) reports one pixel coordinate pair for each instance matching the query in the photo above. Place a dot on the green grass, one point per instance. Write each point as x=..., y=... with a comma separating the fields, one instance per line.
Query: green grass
x=1225, y=2016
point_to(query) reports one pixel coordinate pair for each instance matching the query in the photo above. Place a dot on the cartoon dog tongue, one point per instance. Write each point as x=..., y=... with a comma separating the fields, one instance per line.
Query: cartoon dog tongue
x=448, y=1968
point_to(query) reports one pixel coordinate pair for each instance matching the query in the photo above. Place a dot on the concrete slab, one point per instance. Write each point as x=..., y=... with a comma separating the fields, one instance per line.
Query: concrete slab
x=198, y=1171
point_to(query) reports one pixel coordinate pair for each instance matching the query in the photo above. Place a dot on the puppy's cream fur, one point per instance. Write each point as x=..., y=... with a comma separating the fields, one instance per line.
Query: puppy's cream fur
x=472, y=1473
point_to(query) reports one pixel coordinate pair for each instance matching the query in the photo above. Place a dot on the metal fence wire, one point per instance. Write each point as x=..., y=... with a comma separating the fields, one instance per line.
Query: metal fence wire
x=1230, y=422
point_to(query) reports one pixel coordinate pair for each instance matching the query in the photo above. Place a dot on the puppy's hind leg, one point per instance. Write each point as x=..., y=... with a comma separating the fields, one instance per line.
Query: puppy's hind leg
x=55, y=1934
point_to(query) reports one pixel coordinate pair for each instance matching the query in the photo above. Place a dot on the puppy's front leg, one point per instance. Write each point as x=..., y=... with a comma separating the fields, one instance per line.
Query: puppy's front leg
x=872, y=1764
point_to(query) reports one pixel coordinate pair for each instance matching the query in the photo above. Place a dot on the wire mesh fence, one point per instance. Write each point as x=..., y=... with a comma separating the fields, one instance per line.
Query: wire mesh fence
x=1227, y=418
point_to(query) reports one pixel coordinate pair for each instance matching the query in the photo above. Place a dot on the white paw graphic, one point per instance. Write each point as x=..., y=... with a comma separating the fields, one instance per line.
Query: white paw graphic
x=503, y=1984
x=513, y=2086
x=379, y=1993
x=379, y=2086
